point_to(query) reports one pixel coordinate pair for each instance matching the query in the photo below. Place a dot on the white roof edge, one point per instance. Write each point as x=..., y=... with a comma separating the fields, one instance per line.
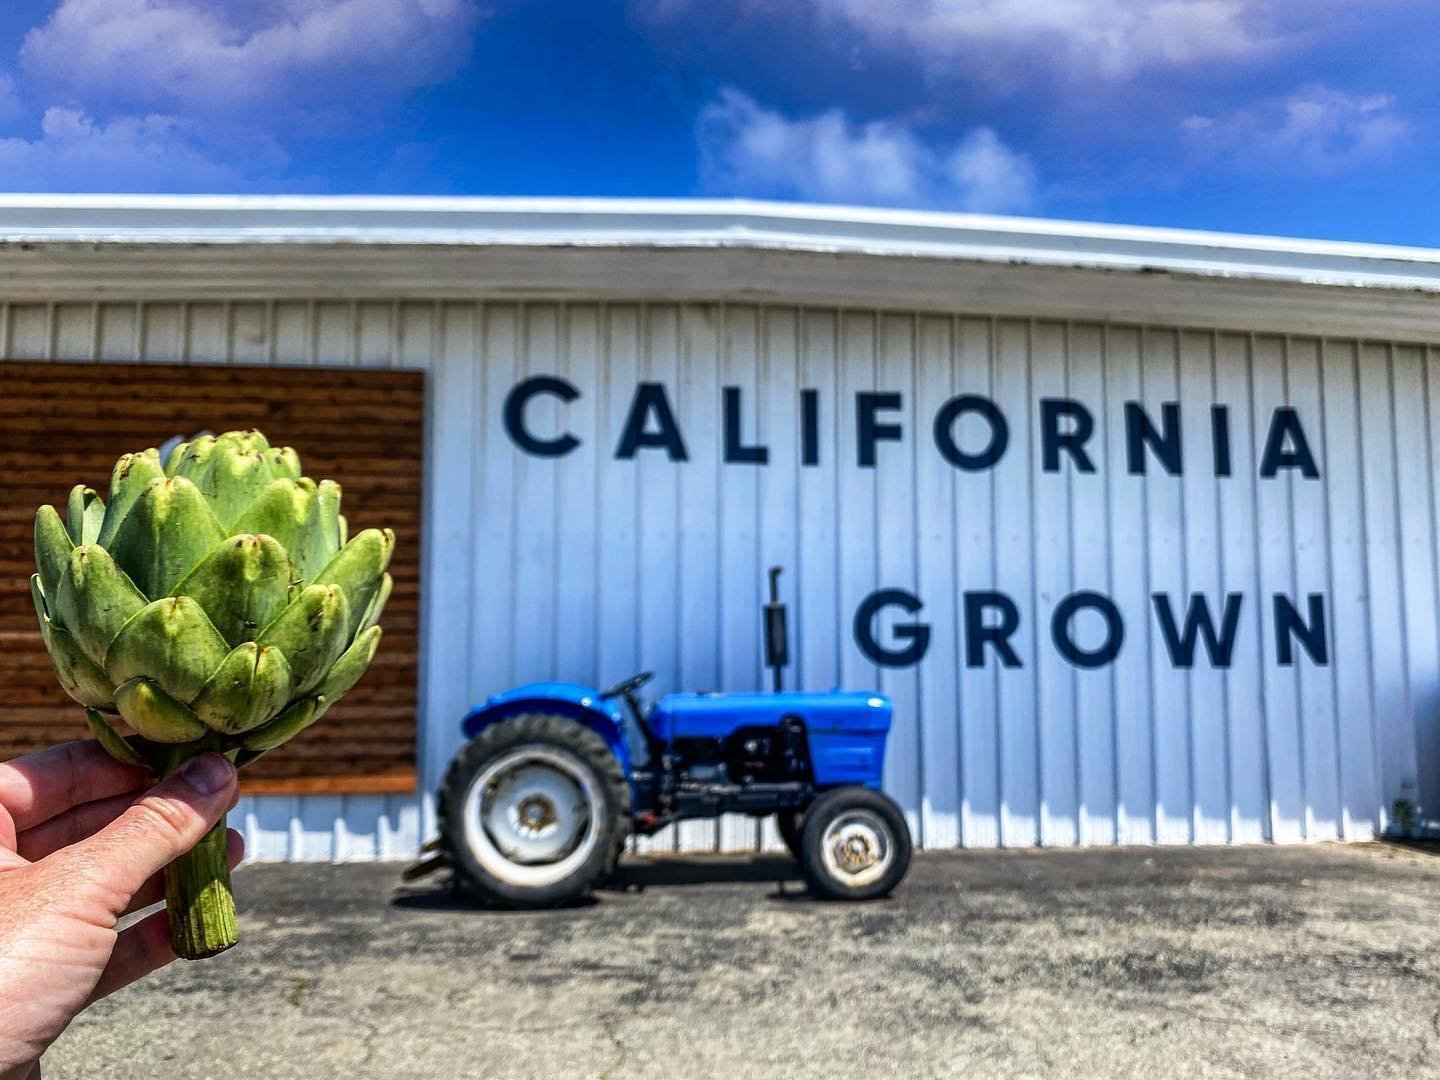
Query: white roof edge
x=126, y=220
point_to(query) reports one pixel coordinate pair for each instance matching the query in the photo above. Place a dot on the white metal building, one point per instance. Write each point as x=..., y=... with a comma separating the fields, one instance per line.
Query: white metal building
x=1044, y=453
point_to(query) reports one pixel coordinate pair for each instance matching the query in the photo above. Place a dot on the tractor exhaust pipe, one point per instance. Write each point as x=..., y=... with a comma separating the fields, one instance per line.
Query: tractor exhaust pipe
x=777, y=640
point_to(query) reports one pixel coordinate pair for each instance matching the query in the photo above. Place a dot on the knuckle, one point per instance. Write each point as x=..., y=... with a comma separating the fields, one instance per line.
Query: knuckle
x=163, y=818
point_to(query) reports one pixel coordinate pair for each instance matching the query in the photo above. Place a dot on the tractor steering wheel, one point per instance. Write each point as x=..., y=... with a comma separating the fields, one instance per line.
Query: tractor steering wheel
x=628, y=687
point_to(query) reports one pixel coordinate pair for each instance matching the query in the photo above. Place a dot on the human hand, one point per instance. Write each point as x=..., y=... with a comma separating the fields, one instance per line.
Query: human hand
x=81, y=844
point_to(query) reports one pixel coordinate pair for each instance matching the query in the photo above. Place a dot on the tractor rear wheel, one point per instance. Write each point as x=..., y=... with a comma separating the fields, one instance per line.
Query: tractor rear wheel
x=533, y=811
x=855, y=844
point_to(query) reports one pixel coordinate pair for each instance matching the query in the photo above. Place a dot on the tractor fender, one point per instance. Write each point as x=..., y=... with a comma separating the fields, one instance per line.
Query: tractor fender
x=582, y=704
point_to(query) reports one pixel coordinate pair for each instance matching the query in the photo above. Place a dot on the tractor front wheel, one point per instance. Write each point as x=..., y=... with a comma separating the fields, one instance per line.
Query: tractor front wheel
x=854, y=845
x=533, y=811
x=790, y=823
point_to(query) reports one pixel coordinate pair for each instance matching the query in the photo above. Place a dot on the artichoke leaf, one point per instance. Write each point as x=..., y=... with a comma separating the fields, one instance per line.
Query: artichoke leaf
x=111, y=740
x=78, y=675
x=191, y=458
x=284, y=727
x=167, y=532
x=37, y=597
x=171, y=641
x=290, y=511
x=94, y=600
x=283, y=462
x=328, y=492
x=242, y=584
x=177, y=455
x=247, y=689
x=348, y=669
x=377, y=602
x=155, y=714
x=312, y=633
x=358, y=568
x=231, y=475
x=84, y=515
x=52, y=547
x=132, y=473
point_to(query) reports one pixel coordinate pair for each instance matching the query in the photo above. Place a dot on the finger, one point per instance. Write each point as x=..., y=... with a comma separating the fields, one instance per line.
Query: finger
x=72, y=826
x=153, y=891
x=8, y=835
x=37, y=787
x=163, y=824
x=139, y=950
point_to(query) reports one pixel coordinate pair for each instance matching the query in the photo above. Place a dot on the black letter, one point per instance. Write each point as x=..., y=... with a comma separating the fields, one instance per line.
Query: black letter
x=1286, y=421
x=1053, y=440
x=650, y=397
x=868, y=431
x=1287, y=622
x=1140, y=433
x=945, y=433
x=1220, y=438
x=809, y=427
x=917, y=634
x=1108, y=649
x=735, y=449
x=977, y=634
x=515, y=403
x=1181, y=646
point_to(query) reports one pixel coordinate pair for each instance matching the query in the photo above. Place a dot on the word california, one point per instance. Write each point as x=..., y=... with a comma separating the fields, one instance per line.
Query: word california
x=970, y=431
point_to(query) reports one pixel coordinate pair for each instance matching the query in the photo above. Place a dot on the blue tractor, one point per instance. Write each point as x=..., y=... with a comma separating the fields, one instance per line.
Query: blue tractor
x=536, y=807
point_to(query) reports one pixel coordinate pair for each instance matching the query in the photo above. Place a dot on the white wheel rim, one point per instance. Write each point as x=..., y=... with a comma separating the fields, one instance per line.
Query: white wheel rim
x=533, y=816
x=857, y=848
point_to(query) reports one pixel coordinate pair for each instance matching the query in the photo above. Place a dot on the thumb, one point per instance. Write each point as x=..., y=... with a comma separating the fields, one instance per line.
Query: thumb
x=159, y=827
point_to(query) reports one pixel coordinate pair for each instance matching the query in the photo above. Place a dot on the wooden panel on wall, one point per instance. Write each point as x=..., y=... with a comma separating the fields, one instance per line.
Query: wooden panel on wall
x=66, y=423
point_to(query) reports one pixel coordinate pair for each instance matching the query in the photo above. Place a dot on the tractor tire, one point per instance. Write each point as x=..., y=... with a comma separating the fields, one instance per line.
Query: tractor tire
x=533, y=812
x=790, y=823
x=854, y=845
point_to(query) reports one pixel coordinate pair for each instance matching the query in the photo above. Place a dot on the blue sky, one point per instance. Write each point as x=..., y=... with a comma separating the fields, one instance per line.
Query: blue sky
x=1276, y=116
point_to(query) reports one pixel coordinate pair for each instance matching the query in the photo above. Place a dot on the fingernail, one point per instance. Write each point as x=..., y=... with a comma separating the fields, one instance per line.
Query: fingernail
x=207, y=773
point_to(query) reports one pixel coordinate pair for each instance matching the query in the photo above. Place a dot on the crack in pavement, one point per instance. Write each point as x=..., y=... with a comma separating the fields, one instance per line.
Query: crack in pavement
x=608, y=1026
x=311, y=1010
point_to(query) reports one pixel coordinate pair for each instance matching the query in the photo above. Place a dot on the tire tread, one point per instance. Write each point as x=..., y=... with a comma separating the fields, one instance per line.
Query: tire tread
x=503, y=735
x=819, y=815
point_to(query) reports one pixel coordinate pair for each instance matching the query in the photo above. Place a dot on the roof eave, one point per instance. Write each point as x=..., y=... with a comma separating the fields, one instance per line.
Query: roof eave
x=429, y=222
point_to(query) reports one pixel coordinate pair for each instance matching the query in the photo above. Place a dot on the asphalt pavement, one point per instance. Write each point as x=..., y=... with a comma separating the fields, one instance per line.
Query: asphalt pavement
x=1319, y=961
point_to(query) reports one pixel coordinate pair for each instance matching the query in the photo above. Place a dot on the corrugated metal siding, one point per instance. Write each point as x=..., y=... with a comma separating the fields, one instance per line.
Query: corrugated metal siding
x=589, y=568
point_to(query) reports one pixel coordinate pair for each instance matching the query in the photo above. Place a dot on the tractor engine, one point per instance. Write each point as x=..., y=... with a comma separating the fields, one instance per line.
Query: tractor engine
x=767, y=754
x=748, y=755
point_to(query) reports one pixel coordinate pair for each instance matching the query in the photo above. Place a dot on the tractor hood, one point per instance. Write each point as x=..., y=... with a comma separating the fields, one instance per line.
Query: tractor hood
x=714, y=716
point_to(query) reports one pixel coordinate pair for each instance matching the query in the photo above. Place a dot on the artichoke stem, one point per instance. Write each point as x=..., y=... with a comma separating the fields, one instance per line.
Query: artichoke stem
x=199, y=900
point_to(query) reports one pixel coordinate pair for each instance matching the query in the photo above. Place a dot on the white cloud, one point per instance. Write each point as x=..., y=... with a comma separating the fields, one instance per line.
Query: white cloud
x=747, y=149
x=184, y=56
x=988, y=38
x=194, y=95
x=1316, y=128
x=150, y=153
x=9, y=99
x=1113, y=37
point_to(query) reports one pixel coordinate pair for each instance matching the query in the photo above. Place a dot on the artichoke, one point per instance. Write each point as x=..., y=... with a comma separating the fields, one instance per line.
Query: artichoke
x=213, y=603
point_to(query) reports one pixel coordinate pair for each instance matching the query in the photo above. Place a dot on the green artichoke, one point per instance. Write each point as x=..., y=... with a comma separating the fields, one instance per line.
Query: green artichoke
x=214, y=603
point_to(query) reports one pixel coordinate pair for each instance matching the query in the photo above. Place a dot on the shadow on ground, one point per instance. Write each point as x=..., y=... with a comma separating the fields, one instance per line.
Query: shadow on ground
x=658, y=873
x=1424, y=847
